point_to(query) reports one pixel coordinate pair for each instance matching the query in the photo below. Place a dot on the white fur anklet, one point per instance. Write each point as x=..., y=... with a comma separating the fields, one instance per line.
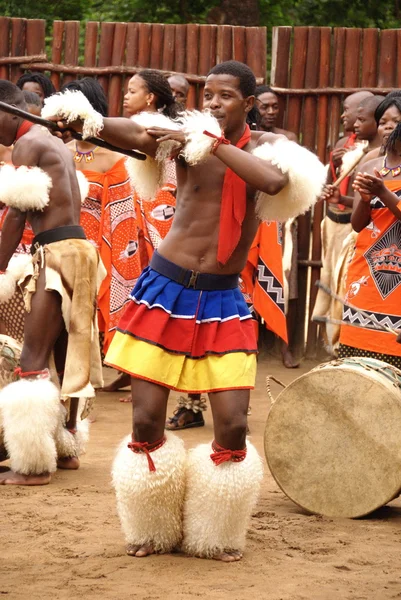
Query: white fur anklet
x=307, y=176
x=219, y=501
x=149, y=503
x=71, y=106
x=30, y=413
x=69, y=444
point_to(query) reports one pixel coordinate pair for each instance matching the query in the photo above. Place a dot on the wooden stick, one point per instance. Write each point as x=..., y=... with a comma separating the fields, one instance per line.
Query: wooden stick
x=351, y=167
x=17, y=60
x=13, y=110
x=330, y=90
x=114, y=70
x=372, y=318
x=340, y=322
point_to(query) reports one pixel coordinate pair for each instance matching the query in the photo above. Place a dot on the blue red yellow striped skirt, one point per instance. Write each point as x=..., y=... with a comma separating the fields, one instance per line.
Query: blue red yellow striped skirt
x=185, y=339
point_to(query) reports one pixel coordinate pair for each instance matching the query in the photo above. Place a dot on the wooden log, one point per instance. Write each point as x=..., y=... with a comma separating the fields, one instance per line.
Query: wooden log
x=224, y=50
x=122, y=70
x=5, y=24
x=57, y=51
x=279, y=73
x=192, y=62
x=337, y=82
x=91, y=39
x=144, y=44
x=105, y=52
x=370, y=53
x=71, y=46
x=331, y=91
x=157, y=46
x=18, y=42
x=180, y=47
x=321, y=147
x=388, y=58
x=256, y=54
x=207, y=56
x=131, y=54
x=170, y=51
x=35, y=37
x=297, y=78
x=116, y=81
x=239, y=44
x=353, y=38
x=20, y=60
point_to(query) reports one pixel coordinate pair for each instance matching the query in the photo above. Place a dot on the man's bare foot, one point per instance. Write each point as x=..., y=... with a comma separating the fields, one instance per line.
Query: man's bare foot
x=139, y=551
x=288, y=360
x=11, y=478
x=126, y=399
x=122, y=381
x=232, y=556
x=68, y=462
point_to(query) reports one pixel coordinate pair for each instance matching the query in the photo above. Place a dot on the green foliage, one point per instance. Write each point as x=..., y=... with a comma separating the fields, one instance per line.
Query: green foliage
x=355, y=13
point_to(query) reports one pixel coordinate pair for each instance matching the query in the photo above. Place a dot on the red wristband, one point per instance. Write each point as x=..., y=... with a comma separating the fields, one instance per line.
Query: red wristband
x=219, y=140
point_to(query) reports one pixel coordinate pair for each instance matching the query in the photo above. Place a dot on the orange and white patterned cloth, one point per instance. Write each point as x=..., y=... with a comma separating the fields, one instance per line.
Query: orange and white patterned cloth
x=374, y=282
x=110, y=222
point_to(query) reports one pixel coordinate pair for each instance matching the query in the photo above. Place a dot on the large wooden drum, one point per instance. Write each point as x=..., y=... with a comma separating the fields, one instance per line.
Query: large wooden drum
x=333, y=438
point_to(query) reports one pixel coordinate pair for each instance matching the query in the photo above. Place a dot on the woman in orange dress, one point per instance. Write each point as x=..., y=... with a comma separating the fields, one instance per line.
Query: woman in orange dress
x=374, y=273
x=108, y=216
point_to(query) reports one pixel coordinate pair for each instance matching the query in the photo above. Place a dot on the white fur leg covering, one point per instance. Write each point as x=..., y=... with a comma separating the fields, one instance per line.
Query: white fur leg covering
x=307, y=176
x=149, y=504
x=30, y=412
x=219, y=501
x=71, y=444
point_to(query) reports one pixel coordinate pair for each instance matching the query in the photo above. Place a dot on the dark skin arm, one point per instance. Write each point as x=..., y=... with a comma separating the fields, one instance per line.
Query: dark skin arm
x=121, y=132
x=369, y=186
x=256, y=172
x=11, y=234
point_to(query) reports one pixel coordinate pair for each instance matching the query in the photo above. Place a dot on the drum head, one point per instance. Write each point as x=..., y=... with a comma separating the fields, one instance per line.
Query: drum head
x=333, y=441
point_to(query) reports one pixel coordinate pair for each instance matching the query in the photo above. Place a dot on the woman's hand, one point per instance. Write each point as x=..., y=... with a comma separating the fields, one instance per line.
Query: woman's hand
x=369, y=185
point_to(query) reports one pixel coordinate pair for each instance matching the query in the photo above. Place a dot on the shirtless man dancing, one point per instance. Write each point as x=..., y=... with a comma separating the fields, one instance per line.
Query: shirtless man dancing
x=59, y=291
x=187, y=328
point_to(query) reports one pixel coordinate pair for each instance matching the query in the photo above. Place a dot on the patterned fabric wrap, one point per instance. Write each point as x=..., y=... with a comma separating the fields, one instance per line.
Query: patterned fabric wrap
x=373, y=281
x=110, y=223
x=185, y=339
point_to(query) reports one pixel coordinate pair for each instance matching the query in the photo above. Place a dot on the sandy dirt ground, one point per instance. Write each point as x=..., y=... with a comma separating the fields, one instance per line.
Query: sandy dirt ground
x=63, y=541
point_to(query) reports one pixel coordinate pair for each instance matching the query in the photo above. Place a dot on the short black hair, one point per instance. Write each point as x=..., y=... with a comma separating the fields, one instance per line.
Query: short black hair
x=392, y=99
x=92, y=90
x=157, y=84
x=371, y=103
x=32, y=98
x=11, y=94
x=264, y=89
x=44, y=82
x=247, y=81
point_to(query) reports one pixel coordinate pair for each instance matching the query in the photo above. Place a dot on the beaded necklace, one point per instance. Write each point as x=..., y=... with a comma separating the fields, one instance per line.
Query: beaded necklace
x=385, y=170
x=86, y=156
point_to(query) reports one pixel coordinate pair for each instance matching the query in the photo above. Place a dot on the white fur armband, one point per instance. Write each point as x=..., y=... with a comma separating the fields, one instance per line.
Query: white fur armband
x=148, y=176
x=71, y=106
x=83, y=186
x=199, y=145
x=14, y=272
x=307, y=176
x=24, y=188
